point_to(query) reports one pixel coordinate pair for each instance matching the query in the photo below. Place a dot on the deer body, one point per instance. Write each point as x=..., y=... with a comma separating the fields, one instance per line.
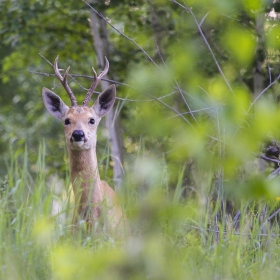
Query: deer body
x=94, y=199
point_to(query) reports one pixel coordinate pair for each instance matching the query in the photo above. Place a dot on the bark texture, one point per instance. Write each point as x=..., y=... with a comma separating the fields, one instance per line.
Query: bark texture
x=101, y=46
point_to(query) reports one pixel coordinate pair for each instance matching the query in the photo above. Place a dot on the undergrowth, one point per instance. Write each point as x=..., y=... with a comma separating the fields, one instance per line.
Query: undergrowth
x=172, y=237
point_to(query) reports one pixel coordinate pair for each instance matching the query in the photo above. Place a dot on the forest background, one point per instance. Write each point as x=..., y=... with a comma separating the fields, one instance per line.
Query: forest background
x=197, y=87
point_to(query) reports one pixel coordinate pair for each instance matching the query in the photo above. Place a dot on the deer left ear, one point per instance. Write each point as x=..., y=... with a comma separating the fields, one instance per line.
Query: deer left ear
x=105, y=101
x=54, y=104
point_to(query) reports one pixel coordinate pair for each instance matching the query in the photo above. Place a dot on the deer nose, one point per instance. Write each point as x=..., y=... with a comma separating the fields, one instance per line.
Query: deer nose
x=78, y=135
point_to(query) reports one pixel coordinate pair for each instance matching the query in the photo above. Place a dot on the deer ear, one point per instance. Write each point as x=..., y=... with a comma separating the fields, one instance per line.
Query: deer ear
x=54, y=104
x=105, y=101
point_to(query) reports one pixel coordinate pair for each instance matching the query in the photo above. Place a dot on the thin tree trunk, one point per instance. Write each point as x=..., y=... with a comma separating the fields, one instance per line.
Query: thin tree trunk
x=259, y=55
x=259, y=59
x=101, y=46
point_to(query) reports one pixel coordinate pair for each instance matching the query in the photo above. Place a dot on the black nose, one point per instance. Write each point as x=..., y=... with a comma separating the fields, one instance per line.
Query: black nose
x=78, y=135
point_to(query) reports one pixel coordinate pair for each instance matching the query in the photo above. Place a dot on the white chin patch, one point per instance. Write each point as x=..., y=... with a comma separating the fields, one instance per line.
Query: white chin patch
x=80, y=145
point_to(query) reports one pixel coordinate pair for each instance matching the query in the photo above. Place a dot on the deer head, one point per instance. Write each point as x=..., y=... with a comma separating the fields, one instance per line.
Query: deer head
x=80, y=121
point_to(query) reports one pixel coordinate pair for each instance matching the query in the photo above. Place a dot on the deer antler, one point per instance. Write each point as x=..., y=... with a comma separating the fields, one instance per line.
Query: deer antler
x=96, y=82
x=63, y=81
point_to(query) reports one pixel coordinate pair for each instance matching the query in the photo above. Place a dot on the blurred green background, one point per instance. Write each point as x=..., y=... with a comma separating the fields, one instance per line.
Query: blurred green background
x=197, y=87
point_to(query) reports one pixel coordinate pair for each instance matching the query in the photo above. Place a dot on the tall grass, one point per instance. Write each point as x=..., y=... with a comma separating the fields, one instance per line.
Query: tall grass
x=172, y=238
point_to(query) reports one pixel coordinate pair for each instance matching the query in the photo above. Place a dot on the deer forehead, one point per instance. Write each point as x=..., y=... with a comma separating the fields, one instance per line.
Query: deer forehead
x=80, y=113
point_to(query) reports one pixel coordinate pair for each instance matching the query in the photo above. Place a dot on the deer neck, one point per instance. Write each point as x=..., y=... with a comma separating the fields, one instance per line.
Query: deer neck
x=84, y=175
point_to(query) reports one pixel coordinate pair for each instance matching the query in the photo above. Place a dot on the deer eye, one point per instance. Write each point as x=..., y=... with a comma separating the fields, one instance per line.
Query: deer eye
x=67, y=121
x=91, y=121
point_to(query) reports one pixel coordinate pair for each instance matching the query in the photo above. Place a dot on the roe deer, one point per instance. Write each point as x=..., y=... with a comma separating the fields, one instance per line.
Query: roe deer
x=94, y=199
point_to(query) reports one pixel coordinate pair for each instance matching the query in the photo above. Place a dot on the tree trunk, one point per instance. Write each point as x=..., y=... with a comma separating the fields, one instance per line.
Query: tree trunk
x=259, y=54
x=259, y=59
x=101, y=46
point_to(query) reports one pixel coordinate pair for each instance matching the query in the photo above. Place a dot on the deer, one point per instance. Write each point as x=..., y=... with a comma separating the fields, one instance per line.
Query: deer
x=94, y=200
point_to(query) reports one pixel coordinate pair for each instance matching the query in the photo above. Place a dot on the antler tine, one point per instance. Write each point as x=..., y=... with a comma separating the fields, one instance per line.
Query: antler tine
x=97, y=80
x=63, y=81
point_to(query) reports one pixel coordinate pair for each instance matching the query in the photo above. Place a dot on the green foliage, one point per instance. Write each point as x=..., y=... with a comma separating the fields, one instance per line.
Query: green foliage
x=170, y=237
x=235, y=37
x=198, y=92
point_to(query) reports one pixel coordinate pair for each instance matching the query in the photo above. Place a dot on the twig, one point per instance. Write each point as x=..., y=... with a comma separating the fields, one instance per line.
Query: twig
x=146, y=54
x=269, y=218
x=273, y=215
x=269, y=159
x=262, y=92
x=152, y=98
x=274, y=174
x=71, y=76
x=203, y=19
x=178, y=87
x=205, y=40
x=256, y=99
x=159, y=54
x=128, y=38
x=183, y=97
x=108, y=80
x=192, y=112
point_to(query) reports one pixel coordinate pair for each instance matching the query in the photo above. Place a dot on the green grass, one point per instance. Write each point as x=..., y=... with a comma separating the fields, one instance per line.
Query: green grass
x=171, y=238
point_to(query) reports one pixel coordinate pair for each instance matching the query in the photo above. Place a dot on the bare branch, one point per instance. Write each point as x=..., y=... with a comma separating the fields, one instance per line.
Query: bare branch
x=203, y=19
x=152, y=98
x=46, y=60
x=269, y=159
x=121, y=33
x=274, y=174
x=188, y=113
x=147, y=55
x=185, y=101
x=261, y=93
x=269, y=218
x=256, y=99
x=205, y=41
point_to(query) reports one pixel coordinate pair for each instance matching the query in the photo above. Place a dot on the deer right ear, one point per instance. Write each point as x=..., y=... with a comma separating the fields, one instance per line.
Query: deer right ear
x=105, y=101
x=54, y=104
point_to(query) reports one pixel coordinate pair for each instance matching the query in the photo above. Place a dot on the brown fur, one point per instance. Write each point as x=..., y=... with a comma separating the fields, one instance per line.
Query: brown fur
x=95, y=201
x=94, y=198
